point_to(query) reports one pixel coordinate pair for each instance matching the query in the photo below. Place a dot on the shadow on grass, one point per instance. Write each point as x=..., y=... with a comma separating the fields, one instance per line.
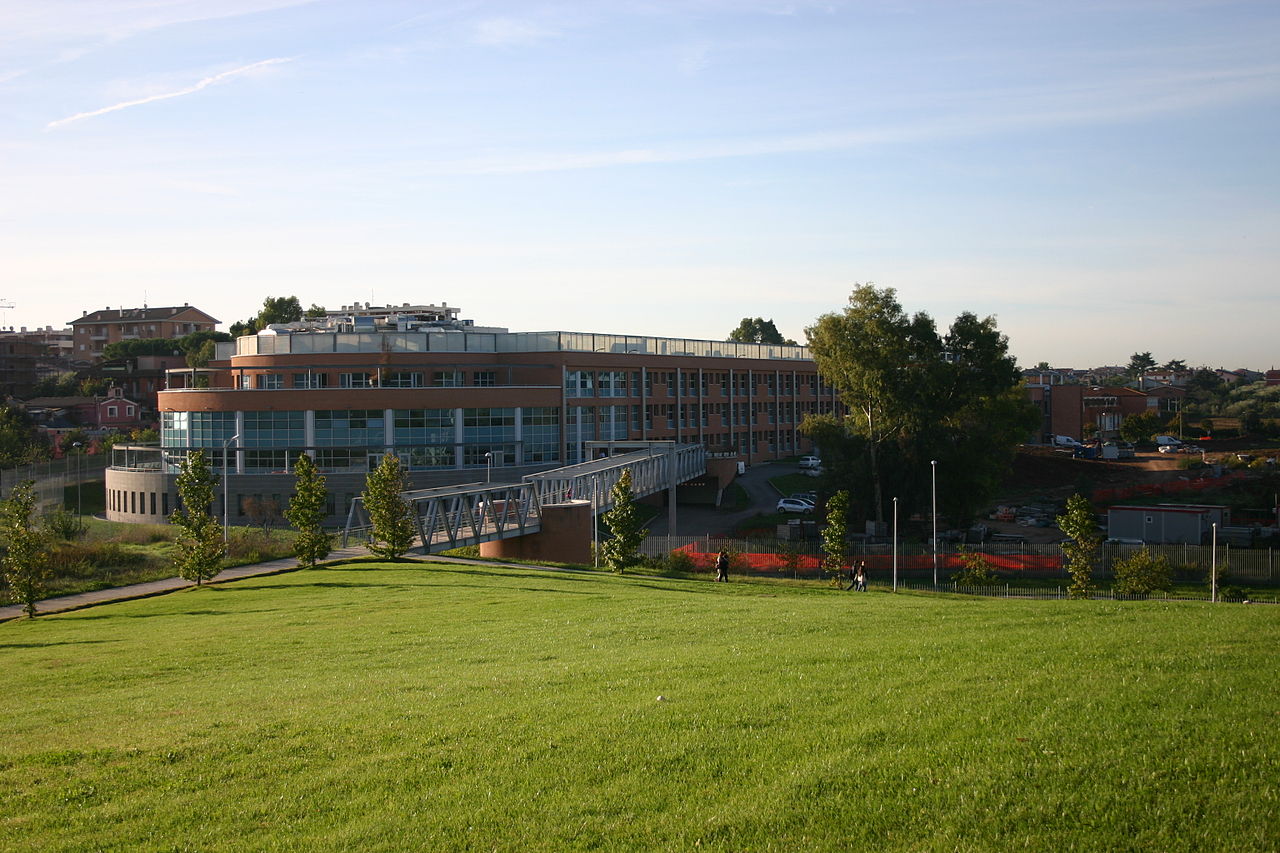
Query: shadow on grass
x=55, y=643
x=237, y=612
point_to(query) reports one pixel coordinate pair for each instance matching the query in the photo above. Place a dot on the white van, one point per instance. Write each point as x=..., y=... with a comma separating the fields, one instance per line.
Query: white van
x=1065, y=441
x=1167, y=441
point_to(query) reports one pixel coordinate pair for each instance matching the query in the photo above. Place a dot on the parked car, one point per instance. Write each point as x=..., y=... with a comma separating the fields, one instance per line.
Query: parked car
x=810, y=462
x=795, y=505
x=1167, y=441
x=811, y=497
x=1168, y=448
x=1066, y=441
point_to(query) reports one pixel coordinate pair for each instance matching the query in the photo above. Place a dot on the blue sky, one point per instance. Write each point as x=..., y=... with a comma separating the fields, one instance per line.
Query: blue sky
x=1101, y=176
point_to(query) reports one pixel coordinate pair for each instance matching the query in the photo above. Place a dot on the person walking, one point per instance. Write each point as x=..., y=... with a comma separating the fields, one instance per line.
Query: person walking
x=860, y=579
x=722, y=567
x=853, y=579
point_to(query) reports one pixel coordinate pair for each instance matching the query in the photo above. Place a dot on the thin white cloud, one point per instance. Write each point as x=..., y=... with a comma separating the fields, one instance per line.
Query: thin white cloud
x=504, y=32
x=202, y=84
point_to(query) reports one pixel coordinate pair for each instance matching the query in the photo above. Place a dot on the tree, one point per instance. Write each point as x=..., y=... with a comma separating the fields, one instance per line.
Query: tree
x=915, y=397
x=390, y=514
x=306, y=512
x=20, y=441
x=26, y=558
x=199, y=549
x=1140, y=427
x=1081, y=548
x=626, y=529
x=835, y=535
x=202, y=355
x=1140, y=363
x=756, y=330
x=315, y=312
x=1175, y=364
x=1141, y=573
x=279, y=309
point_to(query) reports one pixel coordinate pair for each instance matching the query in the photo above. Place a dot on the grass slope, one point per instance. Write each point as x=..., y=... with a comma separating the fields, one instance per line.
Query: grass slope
x=450, y=707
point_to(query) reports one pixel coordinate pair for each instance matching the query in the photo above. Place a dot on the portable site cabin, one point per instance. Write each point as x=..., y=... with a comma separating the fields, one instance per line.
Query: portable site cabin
x=1166, y=523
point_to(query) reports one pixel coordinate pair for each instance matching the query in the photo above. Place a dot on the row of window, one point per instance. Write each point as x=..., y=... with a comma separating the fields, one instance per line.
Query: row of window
x=620, y=383
x=369, y=379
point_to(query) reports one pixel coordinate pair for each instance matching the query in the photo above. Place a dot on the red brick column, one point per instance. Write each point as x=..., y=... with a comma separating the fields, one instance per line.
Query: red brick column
x=565, y=537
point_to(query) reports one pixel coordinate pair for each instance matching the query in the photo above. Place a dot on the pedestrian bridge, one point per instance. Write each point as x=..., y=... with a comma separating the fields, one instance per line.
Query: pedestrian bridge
x=453, y=516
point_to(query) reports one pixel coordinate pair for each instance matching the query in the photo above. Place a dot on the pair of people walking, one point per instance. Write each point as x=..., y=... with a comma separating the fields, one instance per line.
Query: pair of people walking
x=857, y=576
x=722, y=567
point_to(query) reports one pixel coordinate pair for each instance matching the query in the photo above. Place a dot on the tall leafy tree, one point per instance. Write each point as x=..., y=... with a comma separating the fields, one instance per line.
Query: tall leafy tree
x=20, y=441
x=835, y=535
x=1140, y=427
x=626, y=530
x=916, y=397
x=757, y=330
x=279, y=309
x=199, y=549
x=1140, y=363
x=306, y=512
x=25, y=559
x=1081, y=548
x=389, y=513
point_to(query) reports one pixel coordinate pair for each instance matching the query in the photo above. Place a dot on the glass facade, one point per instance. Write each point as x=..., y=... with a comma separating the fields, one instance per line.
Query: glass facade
x=352, y=428
x=541, y=434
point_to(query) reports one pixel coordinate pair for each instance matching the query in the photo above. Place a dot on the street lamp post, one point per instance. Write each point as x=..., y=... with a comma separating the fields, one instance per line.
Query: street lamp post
x=1213, y=566
x=895, y=544
x=488, y=466
x=79, y=477
x=933, y=466
x=225, y=486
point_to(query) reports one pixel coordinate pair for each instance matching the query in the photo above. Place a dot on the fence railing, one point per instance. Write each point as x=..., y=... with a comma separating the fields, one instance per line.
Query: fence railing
x=52, y=476
x=802, y=558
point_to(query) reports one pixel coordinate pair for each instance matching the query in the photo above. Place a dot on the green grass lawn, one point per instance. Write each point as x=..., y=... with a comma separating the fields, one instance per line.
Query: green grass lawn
x=435, y=707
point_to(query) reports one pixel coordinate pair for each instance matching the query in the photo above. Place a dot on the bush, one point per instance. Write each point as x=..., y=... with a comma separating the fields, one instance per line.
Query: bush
x=680, y=561
x=99, y=555
x=1141, y=573
x=63, y=526
x=977, y=571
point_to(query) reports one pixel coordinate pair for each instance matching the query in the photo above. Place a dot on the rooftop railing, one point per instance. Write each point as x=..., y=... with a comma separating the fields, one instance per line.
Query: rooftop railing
x=452, y=341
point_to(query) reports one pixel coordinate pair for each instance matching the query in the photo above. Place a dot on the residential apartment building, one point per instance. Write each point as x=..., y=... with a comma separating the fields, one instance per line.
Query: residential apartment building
x=93, y=331
x=1067, y=409
x=457, y=405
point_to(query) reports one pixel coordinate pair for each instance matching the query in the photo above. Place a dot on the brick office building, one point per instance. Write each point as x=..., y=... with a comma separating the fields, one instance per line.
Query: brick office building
x=451, y=401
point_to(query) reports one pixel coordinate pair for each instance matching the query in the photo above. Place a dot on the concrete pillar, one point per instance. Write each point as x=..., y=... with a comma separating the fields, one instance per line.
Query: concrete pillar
x=565, y=537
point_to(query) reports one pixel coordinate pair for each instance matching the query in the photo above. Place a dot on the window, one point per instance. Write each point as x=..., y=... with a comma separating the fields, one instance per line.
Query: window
x=447, y=379
x=402, y=379
x=128, y=411
x=111, y=411
x=578, y=383
x=613, y=383
x=484, y=378
x=310, y=380
x=355, y=380
x=270, y=381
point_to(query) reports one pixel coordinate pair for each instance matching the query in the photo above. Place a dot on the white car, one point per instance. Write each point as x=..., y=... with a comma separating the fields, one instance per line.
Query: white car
x=1168, y=448
x=794, y=505
x=810, y=462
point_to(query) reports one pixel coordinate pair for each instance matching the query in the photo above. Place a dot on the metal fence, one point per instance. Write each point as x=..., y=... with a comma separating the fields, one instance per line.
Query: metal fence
x=53, y=476
x=916, y=562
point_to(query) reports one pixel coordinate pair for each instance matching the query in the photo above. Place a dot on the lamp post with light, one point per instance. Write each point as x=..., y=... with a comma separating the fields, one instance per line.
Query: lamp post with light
x=895, y=544
x=933, y=465
x=79, y=478
x=225, y=486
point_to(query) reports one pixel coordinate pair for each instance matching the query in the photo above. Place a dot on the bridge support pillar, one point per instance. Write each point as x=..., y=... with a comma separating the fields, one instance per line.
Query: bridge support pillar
x=565, y=537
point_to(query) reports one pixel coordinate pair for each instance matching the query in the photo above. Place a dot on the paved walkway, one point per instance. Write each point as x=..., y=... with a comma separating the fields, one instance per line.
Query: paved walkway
x=701, y=520
x=160, y=587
